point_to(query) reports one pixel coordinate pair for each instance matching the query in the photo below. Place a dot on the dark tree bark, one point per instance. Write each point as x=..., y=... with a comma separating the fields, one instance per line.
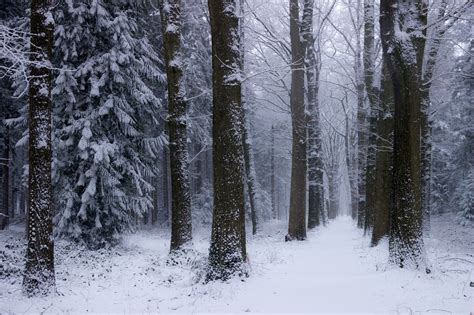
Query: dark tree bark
x=227, y=252
x=369, y=67
x=404, y=57
x=273, y=177
x=362, y=130
x=181, y=227
x=251, y=177
x=383, y=161
x=39, y=276
x=5, y=212
x=297, y=212
x=165, y=187
x=315, y=163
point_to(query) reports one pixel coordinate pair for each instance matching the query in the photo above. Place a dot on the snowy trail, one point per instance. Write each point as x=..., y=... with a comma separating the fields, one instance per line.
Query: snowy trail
x=334, y=271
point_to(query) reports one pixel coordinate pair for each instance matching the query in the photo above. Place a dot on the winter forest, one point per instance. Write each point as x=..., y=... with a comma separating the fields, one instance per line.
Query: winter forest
x=216, y=156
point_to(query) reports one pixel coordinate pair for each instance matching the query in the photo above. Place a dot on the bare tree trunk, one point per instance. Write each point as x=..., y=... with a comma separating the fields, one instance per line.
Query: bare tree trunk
x=39, y=278
x=361, y=128
x=404, y=61
x=369, y=68
x=315, y=163
x=383, y=161
x=165, y=189
x=181, y=226
x=251, y=176
x=275, y=212
x=297, y=212
x=5, y=163
x=227, y=252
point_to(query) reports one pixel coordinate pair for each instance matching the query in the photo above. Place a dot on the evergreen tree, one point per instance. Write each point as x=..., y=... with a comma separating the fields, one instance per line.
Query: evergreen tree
x=106, y=117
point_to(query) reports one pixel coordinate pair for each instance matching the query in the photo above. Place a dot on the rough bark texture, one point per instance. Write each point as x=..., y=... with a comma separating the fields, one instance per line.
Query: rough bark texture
x=315, y=163
x=228, y=250
x=369, y=67
x=181, y=227
x=39, y=276
x=361, y=151
x=404, y=58
x=297, y=212
x=5, y=165
x=383, y=161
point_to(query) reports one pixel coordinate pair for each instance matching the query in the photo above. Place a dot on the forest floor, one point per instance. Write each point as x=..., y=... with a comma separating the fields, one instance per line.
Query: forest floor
x=335, y=270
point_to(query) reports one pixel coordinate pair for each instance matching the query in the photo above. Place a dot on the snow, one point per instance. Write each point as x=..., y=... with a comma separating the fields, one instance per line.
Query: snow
x=335, y=270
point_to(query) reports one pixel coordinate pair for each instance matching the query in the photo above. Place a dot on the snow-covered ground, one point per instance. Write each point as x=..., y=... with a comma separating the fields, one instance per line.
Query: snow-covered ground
x=335, y=270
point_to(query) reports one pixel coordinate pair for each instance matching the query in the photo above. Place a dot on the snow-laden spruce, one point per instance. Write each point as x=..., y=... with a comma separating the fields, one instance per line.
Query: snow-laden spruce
x=105, y=110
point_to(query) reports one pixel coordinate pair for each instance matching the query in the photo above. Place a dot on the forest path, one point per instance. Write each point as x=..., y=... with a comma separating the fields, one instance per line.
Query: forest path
x=324, y=273
x=336, y=270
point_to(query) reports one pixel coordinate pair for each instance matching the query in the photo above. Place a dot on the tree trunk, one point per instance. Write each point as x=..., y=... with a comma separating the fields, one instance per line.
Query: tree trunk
x=404, y=60
x=181, y=227
x=361, y=130
x=275, y=212
x=228, y=248
x=251, y=176
x=165, y=189
x=315, y=163
x=297, y=212
x=383, y=161
x=39, y=276
x=369, y=68
x=5, y=163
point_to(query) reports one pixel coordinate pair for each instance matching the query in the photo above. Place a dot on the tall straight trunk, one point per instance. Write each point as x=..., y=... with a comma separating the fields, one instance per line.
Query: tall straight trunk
x=426, y=125
x=154, y=211
x=297, y=212
x=250, y=175
x=361, y=128
x=369, y=68
x=39, y=278
x=181, y=226
x=227, y=252
x=165, y=189
x=5, y=163
x=275, y=212
x=315, y=163
x=404, y=60
x=383, y=160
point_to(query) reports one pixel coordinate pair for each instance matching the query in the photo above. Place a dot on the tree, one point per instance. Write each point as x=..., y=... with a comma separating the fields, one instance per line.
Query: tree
x=401, y=25
x=106, y=120
x=39, y=276
x=371, y=91
x=227, y=252
x=315, y=163
x=297, y=212
x=181, y=230
x=383, y=160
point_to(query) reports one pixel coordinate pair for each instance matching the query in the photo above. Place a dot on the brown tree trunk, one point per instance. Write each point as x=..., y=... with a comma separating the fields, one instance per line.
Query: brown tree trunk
x=39, y=276
x=315, y=163
x=297, y=212
x=404, y=61
x=227, y=252
x=383, y=161
x=181, y=227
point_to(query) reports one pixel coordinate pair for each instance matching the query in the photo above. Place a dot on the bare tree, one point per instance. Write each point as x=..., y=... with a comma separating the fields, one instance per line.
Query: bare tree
x=297, y=212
